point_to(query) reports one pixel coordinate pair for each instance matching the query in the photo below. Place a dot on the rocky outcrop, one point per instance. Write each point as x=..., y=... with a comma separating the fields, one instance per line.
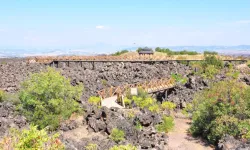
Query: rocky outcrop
x=230, y=143
x=104, y=120
x=8, y=119
x=94, y=79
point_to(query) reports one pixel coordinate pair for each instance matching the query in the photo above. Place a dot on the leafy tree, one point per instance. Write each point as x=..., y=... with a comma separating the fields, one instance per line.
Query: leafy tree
x=139, y=49
x=222, y=109
x=31, y=138
x=47, y=98
x=117, y=135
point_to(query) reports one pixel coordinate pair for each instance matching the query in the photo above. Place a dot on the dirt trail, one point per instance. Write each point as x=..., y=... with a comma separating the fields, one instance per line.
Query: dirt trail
x=180, y=140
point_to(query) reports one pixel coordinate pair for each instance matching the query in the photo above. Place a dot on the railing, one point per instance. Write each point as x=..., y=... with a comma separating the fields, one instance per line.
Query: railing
x=149, y=86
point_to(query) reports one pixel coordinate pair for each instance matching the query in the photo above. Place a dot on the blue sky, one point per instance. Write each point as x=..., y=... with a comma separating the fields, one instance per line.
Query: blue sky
x=81, y=23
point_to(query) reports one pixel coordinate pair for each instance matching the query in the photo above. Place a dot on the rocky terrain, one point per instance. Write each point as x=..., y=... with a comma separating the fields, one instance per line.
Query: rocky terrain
x=95, y=126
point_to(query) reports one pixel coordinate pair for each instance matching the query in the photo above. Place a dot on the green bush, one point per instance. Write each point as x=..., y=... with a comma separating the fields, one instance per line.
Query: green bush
x=209, y=67
x=154, y=108
x=124, y=147
x=210, y=53
x=47, y=98
x=143, y=103
x=170, y=52
x=127, y=102
x=179, y=78
x=31, y=138
x=142, y=93
x=138, y=125
x=166, y=125
x=117, y=135
x=2, y=93
x=91, y=147
x=168, y=105
x=94, y=100
x=210, y=71
x=120, y=52
x=222, y=109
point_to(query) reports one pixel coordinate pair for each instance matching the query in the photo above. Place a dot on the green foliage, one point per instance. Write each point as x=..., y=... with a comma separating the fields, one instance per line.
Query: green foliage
x=142, y=93
x=138, y=125
x=120, y=53
x=166, y=125
x=210, y=71
x=139, y=49
x=168, y=105
x=2, y=94
x=179, y=78
x=124, y=147
x=223, y=109
x=170, y=52
x=154, y=108
x=47, y=98
x=127, y=102
x=210, y=53
x=143, y=103
x=94, y=100
x=9, y=97
x=117, y=135
x=209, y=67
x=31, y=139
x=91, y=147
x=233, y=74
x=104, y=82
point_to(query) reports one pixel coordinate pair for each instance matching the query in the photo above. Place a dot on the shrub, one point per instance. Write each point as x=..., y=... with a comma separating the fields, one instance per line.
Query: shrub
x=104, y=82
x=48, y=98
x=166, y=125
x=94, y=100
x=223, y=109
x=2, y=93
x=154, y=108
x=142, y=93
x=124, y=147
x=170, y=52
x=179, y=79
x=138, y=125
x=210, y=53
x=168, y=105
x=31, y=138
x=131, y=114
x=143, y=103
x=120, y=53
x=210, y=71
x=91, y=147
x=127, y=102
x=117, y=135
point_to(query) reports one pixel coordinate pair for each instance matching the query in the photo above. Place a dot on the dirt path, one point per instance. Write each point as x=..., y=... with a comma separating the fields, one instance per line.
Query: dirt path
x=180, y=140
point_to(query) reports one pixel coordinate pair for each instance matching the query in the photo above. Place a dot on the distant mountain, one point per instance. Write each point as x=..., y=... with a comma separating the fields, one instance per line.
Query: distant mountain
x=101, y=48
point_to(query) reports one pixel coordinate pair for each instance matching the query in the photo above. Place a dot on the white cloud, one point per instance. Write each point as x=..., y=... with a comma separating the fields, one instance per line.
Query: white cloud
x=99, y=27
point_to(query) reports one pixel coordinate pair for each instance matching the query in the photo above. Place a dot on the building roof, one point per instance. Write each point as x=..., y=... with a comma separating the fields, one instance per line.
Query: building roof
x=146, y=51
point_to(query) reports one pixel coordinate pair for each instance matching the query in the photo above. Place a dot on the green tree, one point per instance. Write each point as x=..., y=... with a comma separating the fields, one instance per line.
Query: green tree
x=47, y=98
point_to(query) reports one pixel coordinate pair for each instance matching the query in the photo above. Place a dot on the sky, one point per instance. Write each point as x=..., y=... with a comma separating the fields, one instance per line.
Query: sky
x=86, y=23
